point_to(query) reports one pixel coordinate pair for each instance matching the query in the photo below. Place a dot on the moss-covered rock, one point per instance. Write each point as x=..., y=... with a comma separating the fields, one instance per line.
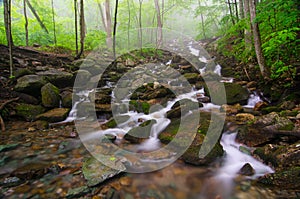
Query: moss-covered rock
x=30, y=84
x=192, y=78
x=66, y=99
x=57, y=77
x=139, y=106
x=28, y=111
x=139, y=134
x=50, y=96
x=183, y=107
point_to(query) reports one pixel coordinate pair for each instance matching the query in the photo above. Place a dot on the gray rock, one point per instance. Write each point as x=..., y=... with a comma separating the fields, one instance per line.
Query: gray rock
x=30, y=84
x=57, y=77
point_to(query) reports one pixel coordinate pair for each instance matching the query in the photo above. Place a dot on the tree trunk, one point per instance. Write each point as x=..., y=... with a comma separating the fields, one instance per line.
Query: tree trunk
x=241, y=9
x=202, y=21
x=257, y=39
x=76, y=26
x=37, y=16
x=53, y=20
x=7, y=22
x=115, y=28
x=247, y=33
x=230, y=11
x=236, y=11
x=128, y=24
x=140, y=24
x=82, y=30
x=26, y=23
x=108, y=24
x=159, y=24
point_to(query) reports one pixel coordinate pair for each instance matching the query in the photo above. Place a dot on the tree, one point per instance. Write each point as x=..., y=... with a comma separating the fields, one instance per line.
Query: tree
x=115, y=28
x=53, y=20
x=7, y=22
x=257, y=39
x=37, y=16
x=26, y=22
x=159, y=24
x=76, y=25
x=106, y=21
x=82, y=30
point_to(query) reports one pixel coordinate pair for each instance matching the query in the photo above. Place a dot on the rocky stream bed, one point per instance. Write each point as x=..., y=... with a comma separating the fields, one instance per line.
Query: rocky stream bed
x=42, y=156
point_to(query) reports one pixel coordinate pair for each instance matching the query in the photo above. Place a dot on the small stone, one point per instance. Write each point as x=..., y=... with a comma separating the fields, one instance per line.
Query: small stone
x=31, y=129
x=126, y=181
x=247, y=170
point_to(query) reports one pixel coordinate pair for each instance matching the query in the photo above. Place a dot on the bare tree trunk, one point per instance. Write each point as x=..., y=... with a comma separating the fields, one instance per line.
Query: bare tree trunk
x=82, y=30
x=159, y=24
x=140, y=24
x=202, y=21
x=53, y=20
x=257, y=39
x=115, y=28
x=37, y=16
x=241, y=9
x=236, y=11
x=247, y=33
x=108, y=24
x=76, y=26
x=230, y=11
x=26, y=23
x=7, y=22
x=128, y=24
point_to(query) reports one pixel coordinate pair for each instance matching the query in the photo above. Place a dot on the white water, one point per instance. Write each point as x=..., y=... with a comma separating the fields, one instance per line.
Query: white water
x=254, y=98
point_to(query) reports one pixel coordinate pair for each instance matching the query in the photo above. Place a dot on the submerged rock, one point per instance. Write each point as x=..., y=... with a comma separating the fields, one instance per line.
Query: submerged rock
x=78, y=192
x=95, y=172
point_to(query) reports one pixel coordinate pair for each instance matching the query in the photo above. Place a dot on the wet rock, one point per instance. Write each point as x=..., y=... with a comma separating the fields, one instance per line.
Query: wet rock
x=57, y=77
x=54, y=115
x=211, y=76
x=260, y=105
x=40, y=125
x=106, y=108
x=183, y=107
x=78, y=192
x=139, y=106
x=28, y=111
x=231, y=109
x=95, y=172
x=138, y=134
x=83, y=77
x=8, y=147
x=192, y=78
x=113, y=122
x=286, y=179
x=234, y=93
x=247, y=170
x=31, y=171
x=243, y=118
x=102, y=98
x=253, y=136
x=66, y=99
x=11, y=182
x=50, y=96
x=30, y=84
x=158, y=93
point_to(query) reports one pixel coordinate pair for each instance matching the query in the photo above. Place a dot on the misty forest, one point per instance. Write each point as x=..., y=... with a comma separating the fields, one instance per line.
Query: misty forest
x=125, y=99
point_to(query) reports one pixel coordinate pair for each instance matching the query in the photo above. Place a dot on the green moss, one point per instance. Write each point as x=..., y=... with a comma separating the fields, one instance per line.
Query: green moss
x=139, y=106
x=267, y=158
x=111, y=123
x=270, y=109
x=28, y=111
x=288, y=127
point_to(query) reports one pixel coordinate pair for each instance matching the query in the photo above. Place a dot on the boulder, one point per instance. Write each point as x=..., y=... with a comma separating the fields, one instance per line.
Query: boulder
x=30, y=84
x=243, y=118
x=54, y=115
x=66, y=99
x=50, y=96
x=138, y=134
x=234, y=93
x=83, y=77
x=183, y=107
x=28, y=111
x=57, y=77
x=139, y=106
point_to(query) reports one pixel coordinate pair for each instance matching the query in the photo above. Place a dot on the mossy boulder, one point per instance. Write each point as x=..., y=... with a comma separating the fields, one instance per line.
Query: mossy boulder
x=57, y=77
x=28, y=111
x=66, y=99
x=139, y=106
x=50, y=96
x=226, y=93
x=30, y=84
x=192, y=78
x=138, y=134
x=83, y=77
